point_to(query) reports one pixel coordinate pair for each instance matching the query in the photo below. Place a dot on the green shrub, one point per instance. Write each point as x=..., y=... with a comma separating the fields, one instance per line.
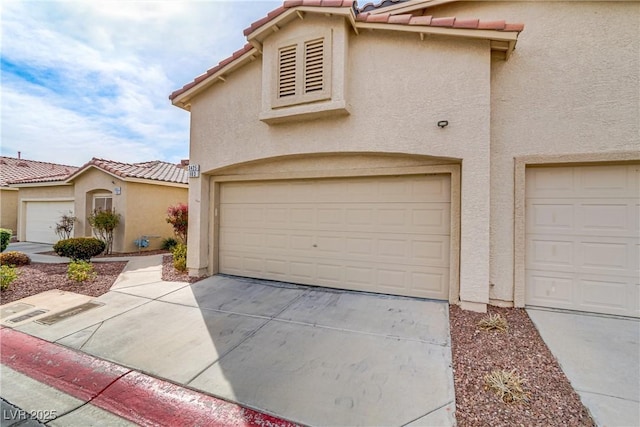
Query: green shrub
x=103, y=224
x=5, y=238
x=7, y=276
x=79, y=248
x=14, y=258
x=168, y=244
x=81, y=271
x=180, y=257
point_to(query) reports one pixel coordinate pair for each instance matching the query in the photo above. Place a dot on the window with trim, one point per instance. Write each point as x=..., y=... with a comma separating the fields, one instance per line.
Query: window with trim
x=102, y=202
x=303, y=72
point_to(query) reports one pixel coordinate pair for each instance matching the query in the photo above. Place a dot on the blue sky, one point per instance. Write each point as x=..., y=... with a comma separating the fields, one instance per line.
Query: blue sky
x=83, y=79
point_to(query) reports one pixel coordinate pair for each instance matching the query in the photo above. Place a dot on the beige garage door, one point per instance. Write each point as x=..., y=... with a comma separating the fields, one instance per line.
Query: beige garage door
x=387, y=235
x=41, y=219
x=583, y=238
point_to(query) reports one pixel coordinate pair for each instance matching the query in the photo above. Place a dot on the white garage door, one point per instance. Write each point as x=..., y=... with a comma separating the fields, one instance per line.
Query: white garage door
x=41, y=219
x=383, y=234
x=583, y=238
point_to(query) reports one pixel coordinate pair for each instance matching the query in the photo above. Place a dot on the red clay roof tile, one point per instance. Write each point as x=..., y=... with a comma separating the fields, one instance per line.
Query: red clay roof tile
x=466, y=23
x=399, y=19
x=443, y=22
x=18, y=170
x=491, y=25
x=420, y=20
x=155, y=170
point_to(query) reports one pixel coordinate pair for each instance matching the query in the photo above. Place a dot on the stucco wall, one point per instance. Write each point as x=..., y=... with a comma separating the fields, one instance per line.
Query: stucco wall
x=398, y=88
x=86, y=185
x=572, y=86
x=147, y=212
x=9, y=209
x=142, y=207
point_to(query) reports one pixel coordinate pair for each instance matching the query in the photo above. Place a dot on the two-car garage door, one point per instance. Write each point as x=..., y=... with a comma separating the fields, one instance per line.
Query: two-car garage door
x=379, y=234
x=41, y=218
x=582, y=234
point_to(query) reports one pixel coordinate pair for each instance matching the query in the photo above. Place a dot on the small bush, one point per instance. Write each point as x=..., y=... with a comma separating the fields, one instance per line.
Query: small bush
x=14, y=258
x=494, y=322
x=104, y=223
x=8, y=275
x=507, y=385
x=79, y=248
x=168, y=244
x=5, y=238
x=180, y=257
x=64, y=228
x=81, y=271
x=178, y=217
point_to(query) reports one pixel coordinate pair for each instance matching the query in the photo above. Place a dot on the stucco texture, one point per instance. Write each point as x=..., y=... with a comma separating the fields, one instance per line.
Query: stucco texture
x=9, y=209
x=142, y=207
x=571, y=86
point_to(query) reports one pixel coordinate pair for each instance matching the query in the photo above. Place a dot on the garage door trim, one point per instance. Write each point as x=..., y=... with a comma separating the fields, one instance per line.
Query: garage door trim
x=520, y=167
x=22, y=215
x=451, y=169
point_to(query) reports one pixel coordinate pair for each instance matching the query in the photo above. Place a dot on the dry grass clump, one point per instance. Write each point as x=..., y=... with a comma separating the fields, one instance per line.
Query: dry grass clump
x=507, y=385
x=493, y=322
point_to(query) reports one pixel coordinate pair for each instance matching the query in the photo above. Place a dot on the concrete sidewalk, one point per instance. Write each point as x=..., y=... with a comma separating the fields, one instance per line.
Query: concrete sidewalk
x=310, y=355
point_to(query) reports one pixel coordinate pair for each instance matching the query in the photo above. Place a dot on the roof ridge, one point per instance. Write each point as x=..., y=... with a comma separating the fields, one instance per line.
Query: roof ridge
x=36, y=161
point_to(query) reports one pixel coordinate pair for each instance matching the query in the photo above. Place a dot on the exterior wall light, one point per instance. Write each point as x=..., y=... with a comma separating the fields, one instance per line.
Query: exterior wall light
x=443, y=123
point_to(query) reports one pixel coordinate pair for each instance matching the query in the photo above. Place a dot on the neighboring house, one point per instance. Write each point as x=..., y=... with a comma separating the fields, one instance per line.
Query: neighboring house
x=15, y=169
x=425, y=148
x=139, y=192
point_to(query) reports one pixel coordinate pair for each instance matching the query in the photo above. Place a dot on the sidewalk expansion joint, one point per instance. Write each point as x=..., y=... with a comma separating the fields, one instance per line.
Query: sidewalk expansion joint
x=252, y=334
x=432, y=411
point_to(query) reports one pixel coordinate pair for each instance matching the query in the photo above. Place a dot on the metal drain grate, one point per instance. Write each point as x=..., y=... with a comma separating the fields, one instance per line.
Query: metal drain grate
x=27, y=316
x=65, y=314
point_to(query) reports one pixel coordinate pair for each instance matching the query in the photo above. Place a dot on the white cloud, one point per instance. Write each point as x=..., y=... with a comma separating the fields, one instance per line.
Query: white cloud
x=84, y=78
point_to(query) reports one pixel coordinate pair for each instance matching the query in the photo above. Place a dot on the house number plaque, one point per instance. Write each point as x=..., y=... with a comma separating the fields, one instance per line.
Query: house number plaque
x=194, y=171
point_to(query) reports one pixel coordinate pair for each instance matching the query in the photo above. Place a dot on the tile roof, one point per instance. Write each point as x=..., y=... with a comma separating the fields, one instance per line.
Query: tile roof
x=155, y=170
x=22, y=170
x=362, y=15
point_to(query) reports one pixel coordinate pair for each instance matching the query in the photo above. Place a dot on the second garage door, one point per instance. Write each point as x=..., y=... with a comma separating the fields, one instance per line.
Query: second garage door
x=583, y=238
x=379, y=234
x=41, y=219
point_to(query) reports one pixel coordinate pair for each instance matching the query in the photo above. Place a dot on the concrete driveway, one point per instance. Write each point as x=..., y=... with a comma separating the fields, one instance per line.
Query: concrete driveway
x=313, y=356
x=601, y=357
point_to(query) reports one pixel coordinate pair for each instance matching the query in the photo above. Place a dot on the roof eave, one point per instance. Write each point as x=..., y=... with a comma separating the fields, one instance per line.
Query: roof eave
x=182, y=100
x=501, y=41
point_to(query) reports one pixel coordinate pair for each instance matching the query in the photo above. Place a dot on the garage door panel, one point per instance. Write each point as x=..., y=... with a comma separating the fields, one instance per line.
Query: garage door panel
x=386, y=235
x=41, y=218
x=582, y=238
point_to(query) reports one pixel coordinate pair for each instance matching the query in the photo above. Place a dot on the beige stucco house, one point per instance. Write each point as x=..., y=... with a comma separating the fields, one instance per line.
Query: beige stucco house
x=476, y=152
x=16, y=169
x=139, y=192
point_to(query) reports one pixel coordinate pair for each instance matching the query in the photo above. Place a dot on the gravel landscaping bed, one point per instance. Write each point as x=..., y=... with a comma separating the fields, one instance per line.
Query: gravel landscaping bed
x=552, y=400
x=170, y=274
x=37, y=277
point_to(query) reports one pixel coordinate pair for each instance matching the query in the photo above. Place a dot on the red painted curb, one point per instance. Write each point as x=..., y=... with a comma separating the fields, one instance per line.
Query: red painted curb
x=77, y=374
x=134, y=396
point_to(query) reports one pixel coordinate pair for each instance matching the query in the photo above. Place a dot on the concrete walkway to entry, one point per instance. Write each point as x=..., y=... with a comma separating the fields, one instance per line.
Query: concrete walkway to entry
x=601, y=357
x=310, y=355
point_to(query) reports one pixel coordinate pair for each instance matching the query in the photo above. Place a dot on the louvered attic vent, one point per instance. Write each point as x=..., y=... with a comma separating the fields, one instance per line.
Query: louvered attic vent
x=287, y=71
x=314, y=66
